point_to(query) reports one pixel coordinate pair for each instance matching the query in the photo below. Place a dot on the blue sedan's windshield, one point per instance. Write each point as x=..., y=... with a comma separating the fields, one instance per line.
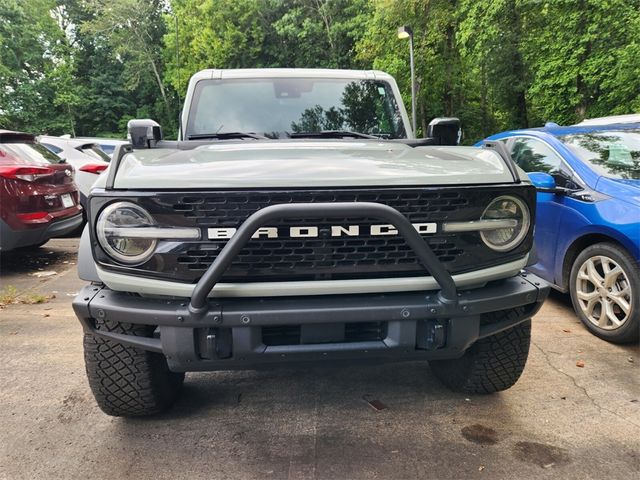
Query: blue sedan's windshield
x=277, y=107
x=611, y=153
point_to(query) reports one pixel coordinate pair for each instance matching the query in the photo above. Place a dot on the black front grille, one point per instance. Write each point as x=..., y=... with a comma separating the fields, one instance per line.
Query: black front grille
x=342, y=256
x=228, y=209
x=325, y=256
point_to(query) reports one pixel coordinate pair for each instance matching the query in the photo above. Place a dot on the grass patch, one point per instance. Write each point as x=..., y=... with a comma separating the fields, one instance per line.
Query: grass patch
x=34, y=298
x=9, y=295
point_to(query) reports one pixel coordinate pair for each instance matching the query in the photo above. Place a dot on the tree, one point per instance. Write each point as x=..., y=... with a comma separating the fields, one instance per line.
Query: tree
x=445, y=86
x=261, y=33
x=37, y=92
x=491, y=40
x=574, y=50
x=133, y=29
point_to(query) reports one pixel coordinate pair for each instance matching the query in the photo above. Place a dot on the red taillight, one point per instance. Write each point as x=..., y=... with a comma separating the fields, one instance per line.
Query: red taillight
x=93, y=168
x=28, y=174
x=34, y=217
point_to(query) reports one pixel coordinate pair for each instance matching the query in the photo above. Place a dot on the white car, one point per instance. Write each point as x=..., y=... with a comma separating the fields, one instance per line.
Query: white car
x=85, y=156
x=629, y=118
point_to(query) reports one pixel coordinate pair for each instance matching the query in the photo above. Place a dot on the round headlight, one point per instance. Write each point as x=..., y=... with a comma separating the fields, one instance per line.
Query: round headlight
x=116, y=222
x=507, y=238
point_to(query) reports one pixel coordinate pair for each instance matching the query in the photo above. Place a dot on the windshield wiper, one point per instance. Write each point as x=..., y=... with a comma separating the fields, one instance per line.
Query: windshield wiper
x=332, y=134
x=225, y=136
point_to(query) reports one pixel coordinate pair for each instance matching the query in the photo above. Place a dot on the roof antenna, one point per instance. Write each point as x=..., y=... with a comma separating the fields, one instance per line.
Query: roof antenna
x=180, y=133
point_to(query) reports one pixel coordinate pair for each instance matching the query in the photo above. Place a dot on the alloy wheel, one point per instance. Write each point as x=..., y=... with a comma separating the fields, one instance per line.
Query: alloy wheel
x=604, y=292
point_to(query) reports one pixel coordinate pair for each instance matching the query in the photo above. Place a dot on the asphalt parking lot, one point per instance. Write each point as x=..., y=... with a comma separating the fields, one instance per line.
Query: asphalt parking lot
x=561, y=420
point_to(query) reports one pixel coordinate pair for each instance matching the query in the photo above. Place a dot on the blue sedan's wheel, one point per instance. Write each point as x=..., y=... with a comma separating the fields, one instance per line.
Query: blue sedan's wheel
x=605, y=290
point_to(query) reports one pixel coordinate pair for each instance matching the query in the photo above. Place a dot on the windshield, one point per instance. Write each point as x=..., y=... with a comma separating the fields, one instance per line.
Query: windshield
x=277, y=107
x=611, y=153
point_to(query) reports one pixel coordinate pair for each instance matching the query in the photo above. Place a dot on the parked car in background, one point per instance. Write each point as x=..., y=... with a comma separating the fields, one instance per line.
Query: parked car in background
x=38, y=198
x=588, y=218
x=107, y=145
x=614, y=119
x=85, y=156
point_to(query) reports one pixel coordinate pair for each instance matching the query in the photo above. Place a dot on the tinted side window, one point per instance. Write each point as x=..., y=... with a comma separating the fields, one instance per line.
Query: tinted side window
x=535, y=156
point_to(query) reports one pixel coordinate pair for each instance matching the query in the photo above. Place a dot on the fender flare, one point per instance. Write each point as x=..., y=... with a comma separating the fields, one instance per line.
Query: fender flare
x=86, y=265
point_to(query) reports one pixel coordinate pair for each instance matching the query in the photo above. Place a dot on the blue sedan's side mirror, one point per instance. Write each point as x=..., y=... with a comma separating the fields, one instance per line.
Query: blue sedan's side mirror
x=542, y=180
x=545, y=183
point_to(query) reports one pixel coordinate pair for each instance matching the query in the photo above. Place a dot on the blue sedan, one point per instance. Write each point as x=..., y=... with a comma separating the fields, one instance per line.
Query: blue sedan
x=588, y=218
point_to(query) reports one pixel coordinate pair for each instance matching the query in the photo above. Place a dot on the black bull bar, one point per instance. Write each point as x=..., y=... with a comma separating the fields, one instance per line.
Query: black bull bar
x=448, y=293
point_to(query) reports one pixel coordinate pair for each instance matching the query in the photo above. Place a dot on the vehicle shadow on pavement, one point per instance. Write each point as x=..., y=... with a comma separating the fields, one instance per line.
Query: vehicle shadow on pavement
x=563, y=298
x=32, y=260
x=367, y=388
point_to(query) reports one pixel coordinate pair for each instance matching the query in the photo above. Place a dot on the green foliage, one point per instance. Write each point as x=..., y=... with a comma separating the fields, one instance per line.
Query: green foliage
x=261, y=34
x=574, y=50
x=87, y=66
x=35, y=68
x=132, y=31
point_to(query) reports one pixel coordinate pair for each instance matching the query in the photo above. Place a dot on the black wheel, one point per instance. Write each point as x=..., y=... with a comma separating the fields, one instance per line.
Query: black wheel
x=605, y=291
x=127, y=381
x=490, y=365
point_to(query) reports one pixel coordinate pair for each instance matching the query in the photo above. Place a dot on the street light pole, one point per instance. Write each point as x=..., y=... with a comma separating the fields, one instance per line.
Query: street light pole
x=406, y=32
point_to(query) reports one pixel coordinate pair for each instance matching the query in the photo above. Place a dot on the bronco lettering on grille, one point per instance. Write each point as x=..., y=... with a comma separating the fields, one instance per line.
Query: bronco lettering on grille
x=314, y=232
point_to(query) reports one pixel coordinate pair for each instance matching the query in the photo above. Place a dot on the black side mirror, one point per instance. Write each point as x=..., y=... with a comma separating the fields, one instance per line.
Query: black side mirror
x=144, y=133
x=446, y=130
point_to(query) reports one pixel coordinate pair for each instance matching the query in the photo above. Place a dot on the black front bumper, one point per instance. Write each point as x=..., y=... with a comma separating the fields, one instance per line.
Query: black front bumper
x=231, y=335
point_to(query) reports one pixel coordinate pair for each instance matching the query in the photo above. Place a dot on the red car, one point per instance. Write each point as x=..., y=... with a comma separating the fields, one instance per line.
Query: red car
x=38, y=199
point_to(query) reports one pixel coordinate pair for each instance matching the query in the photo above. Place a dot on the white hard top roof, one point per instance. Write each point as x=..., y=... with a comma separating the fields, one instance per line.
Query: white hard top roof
x=290, y=73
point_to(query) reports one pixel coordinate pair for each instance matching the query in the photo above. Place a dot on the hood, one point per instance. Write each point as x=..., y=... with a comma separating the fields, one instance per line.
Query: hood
x=620, y=188
x=300, y=163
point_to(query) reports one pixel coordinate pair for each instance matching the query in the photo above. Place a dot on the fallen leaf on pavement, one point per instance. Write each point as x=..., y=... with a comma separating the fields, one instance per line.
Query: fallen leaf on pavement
x=46, y=273
x=377, y=405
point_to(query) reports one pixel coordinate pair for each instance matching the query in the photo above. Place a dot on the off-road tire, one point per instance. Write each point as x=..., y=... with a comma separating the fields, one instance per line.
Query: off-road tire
x=629, y=331
x=127, y=381
x=490, y=365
